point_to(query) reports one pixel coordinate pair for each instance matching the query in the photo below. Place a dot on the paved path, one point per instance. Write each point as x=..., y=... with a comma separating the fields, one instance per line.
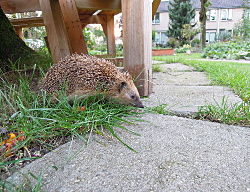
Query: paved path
x=174, y=153
x=184, y=89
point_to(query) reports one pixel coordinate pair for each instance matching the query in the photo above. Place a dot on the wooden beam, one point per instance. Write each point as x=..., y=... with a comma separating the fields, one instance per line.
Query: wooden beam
x=155, y=6
x=109, y=30
x=137, y=42
x=73, y=26
x=56, y=30
x=28, y=22
x=29, y=25
x=93, y=19
x=100, y=4
x=31, y=20
x=19, y=6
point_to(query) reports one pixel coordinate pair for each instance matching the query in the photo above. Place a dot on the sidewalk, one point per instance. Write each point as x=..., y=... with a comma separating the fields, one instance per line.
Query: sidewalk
x=174, y=153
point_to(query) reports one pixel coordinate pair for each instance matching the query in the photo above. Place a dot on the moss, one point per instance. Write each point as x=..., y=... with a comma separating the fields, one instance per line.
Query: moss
x=12, y=48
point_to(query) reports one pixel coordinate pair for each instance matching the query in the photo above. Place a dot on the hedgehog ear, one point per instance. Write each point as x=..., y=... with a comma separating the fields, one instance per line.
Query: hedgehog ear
x=122, y=86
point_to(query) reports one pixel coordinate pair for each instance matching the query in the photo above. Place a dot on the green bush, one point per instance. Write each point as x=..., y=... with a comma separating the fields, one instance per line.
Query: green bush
x=172, y=42
x=183, y=49
x=195, y=43
x=228, y=50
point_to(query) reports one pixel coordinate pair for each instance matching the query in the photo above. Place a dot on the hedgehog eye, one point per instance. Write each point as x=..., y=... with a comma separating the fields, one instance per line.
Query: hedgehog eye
x=133, y=97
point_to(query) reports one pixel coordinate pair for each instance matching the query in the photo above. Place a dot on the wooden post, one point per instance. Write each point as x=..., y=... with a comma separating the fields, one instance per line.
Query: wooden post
x=73, y=26
x=56, y=30
x=137, y=42
x=109, y=30
x=19, y=32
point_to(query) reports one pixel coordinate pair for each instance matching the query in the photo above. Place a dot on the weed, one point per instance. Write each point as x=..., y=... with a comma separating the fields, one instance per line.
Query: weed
x=157, y=68
x=236, y=114
x=161, y=109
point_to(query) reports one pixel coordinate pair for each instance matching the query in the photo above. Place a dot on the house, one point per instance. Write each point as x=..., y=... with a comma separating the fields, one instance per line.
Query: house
x=221, y=17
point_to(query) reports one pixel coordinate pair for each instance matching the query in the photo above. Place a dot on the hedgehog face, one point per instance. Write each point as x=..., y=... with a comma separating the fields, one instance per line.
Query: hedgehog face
x=128, y=94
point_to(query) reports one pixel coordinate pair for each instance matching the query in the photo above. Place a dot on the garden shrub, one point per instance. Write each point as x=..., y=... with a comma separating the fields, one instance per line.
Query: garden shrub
x=227, y=50
x=172, y=42
x=183, y=49
x=195, y=43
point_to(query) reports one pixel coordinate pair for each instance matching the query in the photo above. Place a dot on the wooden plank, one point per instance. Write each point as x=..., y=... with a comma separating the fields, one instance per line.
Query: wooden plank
x=56, y=31
x=73, y=26
x=155, y=6
x=137, y=42
x=19, y=6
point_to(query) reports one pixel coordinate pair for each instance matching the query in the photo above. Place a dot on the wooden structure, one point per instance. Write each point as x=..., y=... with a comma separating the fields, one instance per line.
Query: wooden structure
x=65, y=19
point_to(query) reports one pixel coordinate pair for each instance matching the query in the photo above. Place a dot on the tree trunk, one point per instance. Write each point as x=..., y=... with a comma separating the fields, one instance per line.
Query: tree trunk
x=13, y=49
x=203, y=19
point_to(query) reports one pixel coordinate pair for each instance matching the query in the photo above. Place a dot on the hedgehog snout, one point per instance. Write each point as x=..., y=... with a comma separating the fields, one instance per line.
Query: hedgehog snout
x=136, y=101
x=139, y=104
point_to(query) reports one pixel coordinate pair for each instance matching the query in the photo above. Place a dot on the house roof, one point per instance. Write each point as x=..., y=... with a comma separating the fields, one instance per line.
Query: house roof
x=163, y=7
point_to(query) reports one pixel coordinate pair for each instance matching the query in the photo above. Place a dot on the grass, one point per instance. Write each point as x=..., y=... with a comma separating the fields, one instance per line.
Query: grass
x=233, y=114
x=46, y=125
x=157, y=68
x=231, y=74
x=178, y=58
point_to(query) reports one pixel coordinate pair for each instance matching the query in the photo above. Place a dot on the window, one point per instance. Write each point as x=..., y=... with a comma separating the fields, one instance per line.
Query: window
x=160, y=37
x=156, y=18
x=211, y=15
x=210, y=37
x=226, y=14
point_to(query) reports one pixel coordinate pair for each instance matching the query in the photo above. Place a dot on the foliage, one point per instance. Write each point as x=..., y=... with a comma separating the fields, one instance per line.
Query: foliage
x=242, y=28
x=99, y=32
x=181, y=12
x=225, y=36
x=87, y=34
x=227, y=50
x=34, y=33
x=183, y=49
x=188, y=32
x=195, y=43
x=173, y=43
x=153, y=35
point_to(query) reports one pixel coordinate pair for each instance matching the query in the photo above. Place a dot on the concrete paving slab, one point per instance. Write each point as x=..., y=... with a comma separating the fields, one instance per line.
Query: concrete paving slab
x=176, y=67
x=183, y=89
x=175, y=154
x=180, y=78
x=189, y=98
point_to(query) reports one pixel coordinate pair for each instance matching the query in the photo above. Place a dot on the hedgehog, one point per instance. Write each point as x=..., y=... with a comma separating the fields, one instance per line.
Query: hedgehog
x=85, y=75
